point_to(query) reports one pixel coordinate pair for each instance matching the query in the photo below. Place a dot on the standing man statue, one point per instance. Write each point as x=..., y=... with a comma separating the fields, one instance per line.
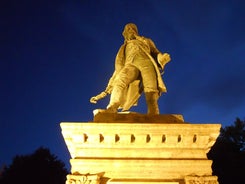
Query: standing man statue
x=138, y=67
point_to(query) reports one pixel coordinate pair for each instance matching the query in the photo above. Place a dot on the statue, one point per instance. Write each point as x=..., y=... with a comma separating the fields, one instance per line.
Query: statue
x=138, y=67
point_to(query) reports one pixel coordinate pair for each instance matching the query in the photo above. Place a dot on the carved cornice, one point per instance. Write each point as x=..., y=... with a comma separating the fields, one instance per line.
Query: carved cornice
x=201, y=180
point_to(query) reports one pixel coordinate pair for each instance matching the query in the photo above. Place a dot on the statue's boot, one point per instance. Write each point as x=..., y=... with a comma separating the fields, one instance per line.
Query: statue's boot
x=151, y=101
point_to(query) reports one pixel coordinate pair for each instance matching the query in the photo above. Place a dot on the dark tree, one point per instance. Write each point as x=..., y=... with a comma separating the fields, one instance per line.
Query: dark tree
x=39, y=168
x=228, y=154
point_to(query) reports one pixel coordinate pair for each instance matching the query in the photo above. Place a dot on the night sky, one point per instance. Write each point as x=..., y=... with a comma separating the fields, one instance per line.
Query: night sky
x=55, y=55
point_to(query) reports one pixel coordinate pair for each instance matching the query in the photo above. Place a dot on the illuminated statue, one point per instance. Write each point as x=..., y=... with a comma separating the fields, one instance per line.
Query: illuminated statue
x=138, y=67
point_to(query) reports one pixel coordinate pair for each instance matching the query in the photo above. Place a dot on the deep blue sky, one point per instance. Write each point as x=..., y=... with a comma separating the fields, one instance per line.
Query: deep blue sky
x=55, y=55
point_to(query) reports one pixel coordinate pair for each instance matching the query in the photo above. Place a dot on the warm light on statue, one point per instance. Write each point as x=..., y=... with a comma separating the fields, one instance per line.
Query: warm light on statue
x=138, y=68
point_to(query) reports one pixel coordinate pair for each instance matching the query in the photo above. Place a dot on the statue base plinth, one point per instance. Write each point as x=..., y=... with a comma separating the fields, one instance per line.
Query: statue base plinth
x=160, y=152
x=133, y=117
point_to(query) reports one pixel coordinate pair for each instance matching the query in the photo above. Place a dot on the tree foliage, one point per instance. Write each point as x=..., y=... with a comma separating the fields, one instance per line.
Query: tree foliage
x=228, y=154
x=39, y=168
x=235, y=134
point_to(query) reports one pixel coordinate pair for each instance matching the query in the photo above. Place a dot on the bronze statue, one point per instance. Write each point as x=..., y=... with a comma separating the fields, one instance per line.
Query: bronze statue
x=138, y=67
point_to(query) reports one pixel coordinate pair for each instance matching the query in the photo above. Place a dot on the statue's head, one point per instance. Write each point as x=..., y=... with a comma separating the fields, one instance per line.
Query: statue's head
x=129, y=32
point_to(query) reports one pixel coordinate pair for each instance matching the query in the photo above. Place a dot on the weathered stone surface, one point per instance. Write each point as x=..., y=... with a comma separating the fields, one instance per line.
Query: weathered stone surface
x=141, y=152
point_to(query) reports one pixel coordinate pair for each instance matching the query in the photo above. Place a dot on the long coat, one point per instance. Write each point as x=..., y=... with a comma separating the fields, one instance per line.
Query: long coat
x=134, y=90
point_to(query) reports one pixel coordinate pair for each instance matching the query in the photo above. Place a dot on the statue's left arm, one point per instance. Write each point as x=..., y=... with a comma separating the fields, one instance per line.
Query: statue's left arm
x=161, y=58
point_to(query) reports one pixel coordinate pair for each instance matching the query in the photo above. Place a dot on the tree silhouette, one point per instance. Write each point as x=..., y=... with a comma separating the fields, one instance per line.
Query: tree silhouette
x=228, y=154
x=39, y=168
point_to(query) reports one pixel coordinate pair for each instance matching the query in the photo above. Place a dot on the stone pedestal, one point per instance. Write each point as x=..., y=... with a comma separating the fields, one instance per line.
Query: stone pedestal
x=167, y=153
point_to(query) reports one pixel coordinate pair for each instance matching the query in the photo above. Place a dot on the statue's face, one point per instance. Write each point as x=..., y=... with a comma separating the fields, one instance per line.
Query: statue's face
x=129, y=32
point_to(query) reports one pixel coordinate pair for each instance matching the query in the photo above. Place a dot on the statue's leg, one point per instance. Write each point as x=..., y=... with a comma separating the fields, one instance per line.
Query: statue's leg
x=127, y=75
x=116, y=96
x=149, y=78
x=151, y=101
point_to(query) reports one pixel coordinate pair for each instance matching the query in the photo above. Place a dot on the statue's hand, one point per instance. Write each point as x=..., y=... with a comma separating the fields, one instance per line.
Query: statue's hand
x=93, y=100
x=163, y=59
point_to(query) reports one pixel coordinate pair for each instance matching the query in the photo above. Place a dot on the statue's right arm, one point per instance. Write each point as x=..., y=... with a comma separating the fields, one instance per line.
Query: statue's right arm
x=108, y=90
